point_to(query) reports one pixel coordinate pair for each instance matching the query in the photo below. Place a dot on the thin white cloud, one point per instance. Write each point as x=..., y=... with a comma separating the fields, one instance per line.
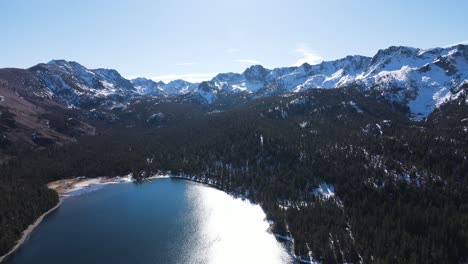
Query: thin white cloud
x=307, y=55
x=465, y=42
x=189, y=77
x=247, y=61
x=232, y=50
x=186, y=64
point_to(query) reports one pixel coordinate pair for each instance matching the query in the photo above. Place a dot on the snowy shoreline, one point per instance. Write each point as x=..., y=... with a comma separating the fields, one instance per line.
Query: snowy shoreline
x=81, y=185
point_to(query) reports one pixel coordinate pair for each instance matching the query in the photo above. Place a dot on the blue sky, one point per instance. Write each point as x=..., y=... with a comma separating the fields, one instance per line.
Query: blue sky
x=196, y=39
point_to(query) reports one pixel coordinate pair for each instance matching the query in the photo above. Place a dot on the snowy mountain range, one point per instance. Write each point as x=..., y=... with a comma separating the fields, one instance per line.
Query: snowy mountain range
x=422, y=79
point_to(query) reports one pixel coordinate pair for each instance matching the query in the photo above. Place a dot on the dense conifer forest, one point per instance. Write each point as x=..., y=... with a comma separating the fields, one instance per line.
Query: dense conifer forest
x=400, y=185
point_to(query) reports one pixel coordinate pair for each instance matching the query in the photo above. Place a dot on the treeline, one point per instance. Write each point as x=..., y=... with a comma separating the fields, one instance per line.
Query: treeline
x=400, y=185
x=22, y=201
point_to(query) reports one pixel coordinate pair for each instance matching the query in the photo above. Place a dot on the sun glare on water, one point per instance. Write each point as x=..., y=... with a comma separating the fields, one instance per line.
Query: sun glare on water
x=233, y=231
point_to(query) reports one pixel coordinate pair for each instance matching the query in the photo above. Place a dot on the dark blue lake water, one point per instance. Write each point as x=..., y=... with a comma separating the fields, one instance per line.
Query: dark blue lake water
x=163, y=221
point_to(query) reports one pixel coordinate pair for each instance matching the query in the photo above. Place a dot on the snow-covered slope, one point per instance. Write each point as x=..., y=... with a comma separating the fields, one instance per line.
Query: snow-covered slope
x=177, y=87
x=257, y=79
x=421, y=79
x=78, y=86
x=148, y=87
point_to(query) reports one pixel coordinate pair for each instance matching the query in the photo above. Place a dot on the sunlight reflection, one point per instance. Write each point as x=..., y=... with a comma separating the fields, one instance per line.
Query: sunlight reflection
x=234, y=231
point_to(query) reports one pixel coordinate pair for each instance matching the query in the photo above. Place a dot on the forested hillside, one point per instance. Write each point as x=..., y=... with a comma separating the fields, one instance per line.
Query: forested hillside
x=400, y=186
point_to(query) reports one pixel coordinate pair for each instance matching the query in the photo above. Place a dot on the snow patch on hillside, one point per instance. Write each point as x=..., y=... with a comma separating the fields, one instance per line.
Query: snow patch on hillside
x=325, y=190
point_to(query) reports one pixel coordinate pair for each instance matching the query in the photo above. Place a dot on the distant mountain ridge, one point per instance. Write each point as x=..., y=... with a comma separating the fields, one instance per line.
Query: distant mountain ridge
x=421, y=79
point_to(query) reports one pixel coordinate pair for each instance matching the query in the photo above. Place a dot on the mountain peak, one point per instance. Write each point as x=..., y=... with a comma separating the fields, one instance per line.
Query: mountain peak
x=179, y=82
x=255, y=68
x=255, y=73
x=398, y=51
x=146, y=80
x=401, y=50
x=62, y=62
x=421, y=79
x=55, y=62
